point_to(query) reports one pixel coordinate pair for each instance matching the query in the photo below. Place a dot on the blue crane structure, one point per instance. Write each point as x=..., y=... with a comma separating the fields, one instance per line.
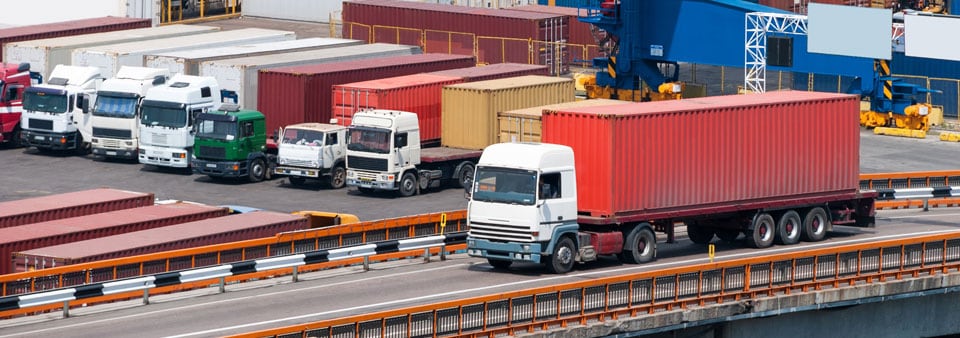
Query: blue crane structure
x=647, y=40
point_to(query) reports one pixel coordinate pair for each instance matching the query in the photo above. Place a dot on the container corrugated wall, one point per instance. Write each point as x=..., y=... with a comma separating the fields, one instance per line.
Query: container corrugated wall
x=69, y=28
x=494, y=71
x=72, y=204
x=524, y=125
x=38, y=235
x=300, y=94
x=417, y=93
x=712, y=151
x=432, y=26
x=585, y=46
x=469, y=116
x=232, y=228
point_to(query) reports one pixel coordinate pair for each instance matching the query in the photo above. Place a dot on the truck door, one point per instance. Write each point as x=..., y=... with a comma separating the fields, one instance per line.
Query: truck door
x=83, y=116
x=558, y=203
x=332, y=149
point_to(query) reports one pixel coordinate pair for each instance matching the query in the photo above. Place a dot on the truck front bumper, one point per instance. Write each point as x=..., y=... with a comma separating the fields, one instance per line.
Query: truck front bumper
x=48, y=140
x=220, y=168
x=299, y=171
x=128, y=154
x=164, y=157
x=516, y=252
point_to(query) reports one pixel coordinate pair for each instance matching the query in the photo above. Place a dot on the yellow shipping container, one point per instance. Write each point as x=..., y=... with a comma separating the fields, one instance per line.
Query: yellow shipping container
x=523, y=125
x=469, y=116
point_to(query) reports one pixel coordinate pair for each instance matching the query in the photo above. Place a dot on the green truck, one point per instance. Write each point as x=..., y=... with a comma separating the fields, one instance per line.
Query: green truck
x=232, y=143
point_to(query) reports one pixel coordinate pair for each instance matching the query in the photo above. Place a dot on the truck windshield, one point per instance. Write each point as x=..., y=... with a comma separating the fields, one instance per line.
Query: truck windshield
x=370, y=140
x=300, y=136
x=503, y=185
x=221, y=130
x=45, y=102
x=111, y=106
x=164, y=117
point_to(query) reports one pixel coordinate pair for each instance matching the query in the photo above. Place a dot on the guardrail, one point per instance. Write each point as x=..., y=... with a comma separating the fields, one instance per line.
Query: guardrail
x=923, y=189
x=645, y=293
x=281, y=244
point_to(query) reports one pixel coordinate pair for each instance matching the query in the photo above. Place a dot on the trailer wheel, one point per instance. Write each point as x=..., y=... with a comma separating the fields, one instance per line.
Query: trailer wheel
x=762, y=232
x=338, y=177
x=815, y=224
x=728, y=235
x=640, y=246
x=561, y=261
x=499, y=263
x=408, y=185
x=788, y=228
x=699, y=234
x=256, y=170
x=296, y=180
x=465, y=177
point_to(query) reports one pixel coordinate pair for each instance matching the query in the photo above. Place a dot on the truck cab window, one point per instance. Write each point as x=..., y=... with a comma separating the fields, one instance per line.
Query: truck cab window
x=247, y=129
x=331, y=139
x=550, y=186
x=400, y=141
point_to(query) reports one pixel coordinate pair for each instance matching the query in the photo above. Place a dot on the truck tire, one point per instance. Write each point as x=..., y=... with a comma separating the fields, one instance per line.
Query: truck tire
x=815, y=225
x=83, y=147
x=700, y=234
x=788, y=228
x=561, y=261
x=15, y=138
x=762, y=231
x=499, y=264
x=408, y=185
x=296, y=180
x=640, y=245
x=465, y=176
x=338, y=177
x=257, y=169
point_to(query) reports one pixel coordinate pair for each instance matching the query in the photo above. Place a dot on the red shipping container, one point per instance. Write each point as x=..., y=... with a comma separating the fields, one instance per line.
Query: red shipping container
x=583, y=46
x=289, y=95
x=38, y=235
x=494, y=71
x=69, y=28
x=417, y=93
x=71, y=204
x=232, y=228
x=709, y=152
x=497, y=36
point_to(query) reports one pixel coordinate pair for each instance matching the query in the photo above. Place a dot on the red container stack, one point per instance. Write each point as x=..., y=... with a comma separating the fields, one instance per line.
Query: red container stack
x=232, y=228
x=418, y=93
x=68, y=28
x=711, y=151
x=289, y=95
x=494, y=71
x=38, y=235
x=71, y=204
x=496, y=35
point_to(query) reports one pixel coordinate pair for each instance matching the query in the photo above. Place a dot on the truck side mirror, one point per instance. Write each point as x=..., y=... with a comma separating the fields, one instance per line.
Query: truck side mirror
x=468, y=188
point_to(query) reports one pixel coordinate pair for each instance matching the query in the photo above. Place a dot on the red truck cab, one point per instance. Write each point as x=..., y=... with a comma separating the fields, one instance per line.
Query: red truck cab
x=13, y=80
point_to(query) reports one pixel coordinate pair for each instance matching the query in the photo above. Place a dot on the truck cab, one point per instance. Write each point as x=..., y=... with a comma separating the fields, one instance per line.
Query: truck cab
x=313, y=151
x=14, y=79
x=53, y=116
x=116, y=111
x=524, y=196
x=231, y=142
x=167, y=119
x=383, y=147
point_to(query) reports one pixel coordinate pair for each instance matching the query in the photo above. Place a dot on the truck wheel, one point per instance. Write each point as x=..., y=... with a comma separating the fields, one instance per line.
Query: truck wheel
x=338, y=177
x=15, y=138
x=408, y=185
x=296, y=180
x=815, y=224
x=788, y=228
x=561, y=261
x=465, y=176
x=83, y=147
x=699, y=234
x=640, y=246
x=499, y=264
x=762, y=234
x=256, y=170
x=728, y=235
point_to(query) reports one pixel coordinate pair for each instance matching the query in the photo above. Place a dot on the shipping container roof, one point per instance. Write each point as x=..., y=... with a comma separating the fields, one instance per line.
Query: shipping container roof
x=184, y=41
x=708, y=102
x=491, y=69
x=423, y=6
x=538, y=110
x=57, y=201
x=319, y=55
x=511, y=82
x=400, y=81
x=126, y=34
x=64, y=26
x=239, y=50
x=368, y=63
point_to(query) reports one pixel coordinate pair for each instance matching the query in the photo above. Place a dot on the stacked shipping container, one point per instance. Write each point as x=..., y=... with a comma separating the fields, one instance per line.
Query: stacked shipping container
x=524, y=125
x=188, y=61
x=583, y=46
x=299, y=94
x=71, y=204
x=496, y=35
x=69, y=28
x=494, y=71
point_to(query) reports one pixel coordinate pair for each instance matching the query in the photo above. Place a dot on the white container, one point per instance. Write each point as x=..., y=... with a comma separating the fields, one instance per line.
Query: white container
x=44, y=54
x=314, y=11
x=109, y=58
x=188, y=61
x=240, y=75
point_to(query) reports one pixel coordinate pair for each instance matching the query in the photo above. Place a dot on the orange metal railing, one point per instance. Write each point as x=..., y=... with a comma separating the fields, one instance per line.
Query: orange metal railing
x=639, y=294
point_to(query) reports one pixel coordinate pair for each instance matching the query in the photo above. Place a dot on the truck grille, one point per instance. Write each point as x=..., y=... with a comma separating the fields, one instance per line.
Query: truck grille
x=111, y=133
x=158, y=139
x=41, y=124
x=366, y=163
x=500, y=232
x=110, y=143
x=212, y=152
x=300, y=163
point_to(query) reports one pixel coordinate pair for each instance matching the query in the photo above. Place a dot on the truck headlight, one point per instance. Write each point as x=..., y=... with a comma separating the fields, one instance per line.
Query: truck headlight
x=282, y=160
x=351, y=173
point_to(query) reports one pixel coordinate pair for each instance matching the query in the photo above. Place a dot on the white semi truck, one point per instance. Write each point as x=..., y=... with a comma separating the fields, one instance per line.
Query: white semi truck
x=53, y=116
x=116, y=111
x=313, y=151
x=167, y=117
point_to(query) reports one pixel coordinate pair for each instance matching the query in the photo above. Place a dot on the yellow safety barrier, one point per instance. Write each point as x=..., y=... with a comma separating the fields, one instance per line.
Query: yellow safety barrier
x=900, y=132
x=950, y=136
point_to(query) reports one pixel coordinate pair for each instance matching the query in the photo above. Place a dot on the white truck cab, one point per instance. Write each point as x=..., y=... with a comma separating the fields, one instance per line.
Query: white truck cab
x=167, y=116
x=53, y=117
x=383, y=144
x=315, y=151
x=116, y=111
